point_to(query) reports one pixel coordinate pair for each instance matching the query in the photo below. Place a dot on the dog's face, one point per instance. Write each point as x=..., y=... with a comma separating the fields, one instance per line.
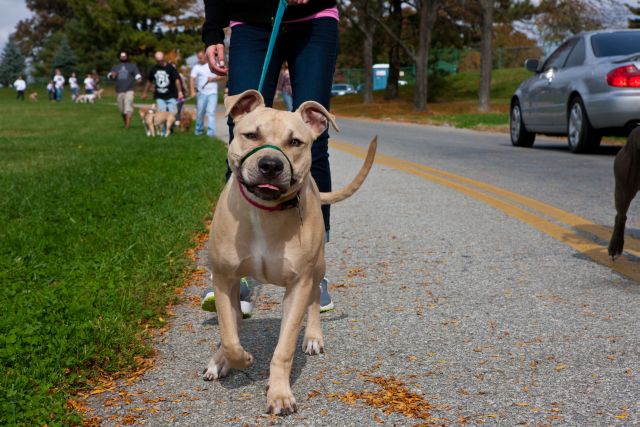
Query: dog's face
x=271, y=173
x=185, y=121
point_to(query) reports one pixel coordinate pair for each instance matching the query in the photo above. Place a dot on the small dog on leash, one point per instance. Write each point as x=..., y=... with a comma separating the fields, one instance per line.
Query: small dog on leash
x=185, y=121
x=86, y=98
x=626, y=170
x=33, y=96
x=98, y=93
x=146, y=117
x=163, y=119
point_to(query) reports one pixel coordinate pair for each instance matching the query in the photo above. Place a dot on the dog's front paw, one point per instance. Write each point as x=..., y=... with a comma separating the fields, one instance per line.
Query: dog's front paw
x=217, y=368
x=313, y=345
x=238, y=358
x=280, y=401
x=616, y=245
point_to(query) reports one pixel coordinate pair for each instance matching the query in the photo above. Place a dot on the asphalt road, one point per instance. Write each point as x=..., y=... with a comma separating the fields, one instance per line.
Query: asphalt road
x=456, y=301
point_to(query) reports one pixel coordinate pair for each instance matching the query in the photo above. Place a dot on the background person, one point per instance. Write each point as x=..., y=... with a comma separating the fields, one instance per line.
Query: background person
x=204, y=85
x=166, y=83
x=307, y=41
x=58, y=82
x=20, y=86
x=89, y=84
x=284, y=88
x=51, y=91
x=73, y=85
x=126, y=75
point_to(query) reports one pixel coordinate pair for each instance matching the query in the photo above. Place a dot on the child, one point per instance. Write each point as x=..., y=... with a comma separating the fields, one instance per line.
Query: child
x=51, y=91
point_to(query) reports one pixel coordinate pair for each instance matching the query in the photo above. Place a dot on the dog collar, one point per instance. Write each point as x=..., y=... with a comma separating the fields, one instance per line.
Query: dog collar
x=294, y=202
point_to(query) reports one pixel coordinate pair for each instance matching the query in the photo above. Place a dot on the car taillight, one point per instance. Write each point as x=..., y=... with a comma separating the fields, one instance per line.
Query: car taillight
x=625, y=76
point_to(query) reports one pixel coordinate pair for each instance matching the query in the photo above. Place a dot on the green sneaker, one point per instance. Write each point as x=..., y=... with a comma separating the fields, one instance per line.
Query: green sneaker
x=208, y=302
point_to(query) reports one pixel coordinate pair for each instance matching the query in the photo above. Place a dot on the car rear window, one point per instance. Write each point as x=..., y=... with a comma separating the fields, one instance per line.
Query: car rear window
x=614, y=44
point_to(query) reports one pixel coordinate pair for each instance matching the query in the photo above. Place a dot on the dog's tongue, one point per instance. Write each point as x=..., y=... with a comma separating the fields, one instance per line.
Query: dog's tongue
x=268, y=186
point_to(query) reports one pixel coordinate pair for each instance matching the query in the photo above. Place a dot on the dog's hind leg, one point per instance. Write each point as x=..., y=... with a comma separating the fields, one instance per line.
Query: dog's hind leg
x=230, y=354
x=280, y=400
x=626, y=169
x=313, y=342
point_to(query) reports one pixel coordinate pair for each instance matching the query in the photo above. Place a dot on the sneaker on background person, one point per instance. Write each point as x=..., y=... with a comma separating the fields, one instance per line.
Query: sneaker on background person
x=208, y=302
x=326, y=303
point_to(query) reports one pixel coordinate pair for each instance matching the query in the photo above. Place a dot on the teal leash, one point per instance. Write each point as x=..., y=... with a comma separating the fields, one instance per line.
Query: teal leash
x=272, y=41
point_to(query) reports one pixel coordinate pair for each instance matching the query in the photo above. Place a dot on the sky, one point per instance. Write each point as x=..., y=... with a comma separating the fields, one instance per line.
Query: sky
x=12, y=12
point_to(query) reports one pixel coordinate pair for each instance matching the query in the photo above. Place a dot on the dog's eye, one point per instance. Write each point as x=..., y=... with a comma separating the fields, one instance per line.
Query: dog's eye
x=251, y=135
x=295, y=142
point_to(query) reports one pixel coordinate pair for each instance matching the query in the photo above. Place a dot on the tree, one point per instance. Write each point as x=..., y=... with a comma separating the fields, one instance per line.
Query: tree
x=11, y=63
x=363, y=14
x=395, y=23
x=65, y=59
x=558, y=19
x=96, y=31
x=426, y=12
x=634, y=22
x=486, y=57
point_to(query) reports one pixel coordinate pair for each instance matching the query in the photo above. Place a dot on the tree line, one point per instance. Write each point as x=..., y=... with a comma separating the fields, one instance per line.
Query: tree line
x=85, y=35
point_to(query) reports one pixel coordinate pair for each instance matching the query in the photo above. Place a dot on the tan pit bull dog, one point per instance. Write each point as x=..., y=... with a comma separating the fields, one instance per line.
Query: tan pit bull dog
x=155, y=121
x=626, y=170
x=268, y=225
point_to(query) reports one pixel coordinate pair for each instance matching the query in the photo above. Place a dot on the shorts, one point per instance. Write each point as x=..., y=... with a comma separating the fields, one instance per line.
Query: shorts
x=125, y=102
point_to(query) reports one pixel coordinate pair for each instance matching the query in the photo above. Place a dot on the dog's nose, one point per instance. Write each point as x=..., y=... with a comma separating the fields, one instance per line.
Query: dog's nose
x=270, y=167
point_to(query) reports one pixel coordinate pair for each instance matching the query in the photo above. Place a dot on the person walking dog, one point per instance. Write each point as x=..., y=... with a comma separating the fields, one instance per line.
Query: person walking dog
x=204, y=84
x=307, y=41
x=165, y=80
x=20, y=86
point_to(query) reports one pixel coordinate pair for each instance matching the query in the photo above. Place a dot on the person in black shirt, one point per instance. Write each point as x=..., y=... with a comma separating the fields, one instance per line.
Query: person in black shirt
x=166, y=82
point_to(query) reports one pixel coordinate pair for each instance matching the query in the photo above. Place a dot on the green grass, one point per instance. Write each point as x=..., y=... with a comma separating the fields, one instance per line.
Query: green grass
x=464, y=86
x=470, y=121
x=95, y=224
x=453, y=100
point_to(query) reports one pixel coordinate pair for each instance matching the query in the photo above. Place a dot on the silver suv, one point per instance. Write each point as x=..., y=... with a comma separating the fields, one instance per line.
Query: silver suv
x=588, y=87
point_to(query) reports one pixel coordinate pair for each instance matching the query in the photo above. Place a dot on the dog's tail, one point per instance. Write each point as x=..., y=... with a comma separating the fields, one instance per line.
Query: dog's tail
x=346, y=192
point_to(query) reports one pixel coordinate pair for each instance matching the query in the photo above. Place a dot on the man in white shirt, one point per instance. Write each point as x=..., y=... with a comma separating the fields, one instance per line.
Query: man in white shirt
x=204, y=83
x=20, y=85
x=58, y=81
x=89, y=84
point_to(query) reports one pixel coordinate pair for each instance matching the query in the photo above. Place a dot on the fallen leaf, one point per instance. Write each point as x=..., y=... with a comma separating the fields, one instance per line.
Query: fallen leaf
x=560, y=366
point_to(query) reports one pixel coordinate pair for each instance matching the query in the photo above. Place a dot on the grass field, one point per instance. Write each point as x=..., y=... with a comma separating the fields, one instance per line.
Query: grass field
x=453, y=100
x=95, y=224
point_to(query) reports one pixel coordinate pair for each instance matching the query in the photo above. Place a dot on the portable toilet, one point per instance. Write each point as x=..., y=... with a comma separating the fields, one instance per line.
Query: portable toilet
x=380, y=76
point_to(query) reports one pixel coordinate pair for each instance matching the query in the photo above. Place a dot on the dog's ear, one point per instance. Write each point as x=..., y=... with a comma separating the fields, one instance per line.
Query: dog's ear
x=316, y=117
x=246, y=102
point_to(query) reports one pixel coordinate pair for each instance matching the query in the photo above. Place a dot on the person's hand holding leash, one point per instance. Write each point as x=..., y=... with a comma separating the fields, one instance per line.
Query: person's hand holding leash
x=215, y=59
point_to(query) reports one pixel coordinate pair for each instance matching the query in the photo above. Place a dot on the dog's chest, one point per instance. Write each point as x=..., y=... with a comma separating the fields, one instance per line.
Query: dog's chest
x=270, y=258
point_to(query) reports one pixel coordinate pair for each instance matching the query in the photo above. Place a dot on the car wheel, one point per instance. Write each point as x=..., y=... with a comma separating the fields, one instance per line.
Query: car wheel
x=581, y=136
x=520, y=137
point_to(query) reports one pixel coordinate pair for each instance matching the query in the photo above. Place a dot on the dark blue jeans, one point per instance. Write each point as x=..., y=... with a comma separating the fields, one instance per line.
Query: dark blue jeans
x=310, y=48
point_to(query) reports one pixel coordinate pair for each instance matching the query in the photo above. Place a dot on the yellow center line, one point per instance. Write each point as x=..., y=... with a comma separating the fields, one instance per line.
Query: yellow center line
x=596, y=252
